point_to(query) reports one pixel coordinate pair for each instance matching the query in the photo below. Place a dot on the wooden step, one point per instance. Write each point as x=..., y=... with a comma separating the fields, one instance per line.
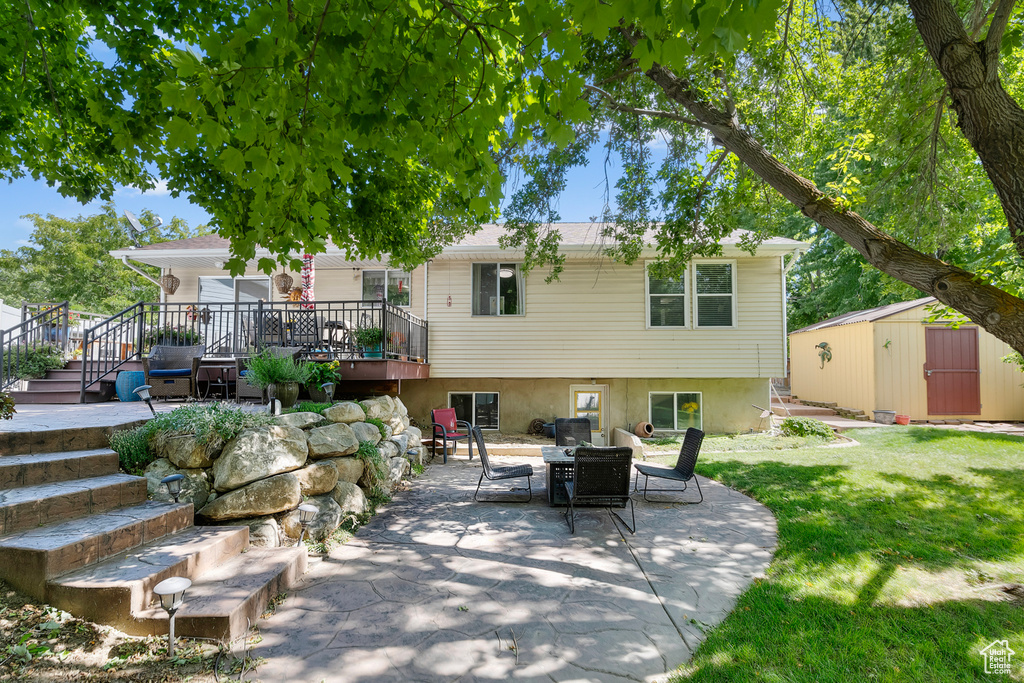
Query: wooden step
x=96, y=394
x=116, y=590
x=225, y=601
x=53, y=384
x=29, y=558
x=31, y=470
x=33, y=506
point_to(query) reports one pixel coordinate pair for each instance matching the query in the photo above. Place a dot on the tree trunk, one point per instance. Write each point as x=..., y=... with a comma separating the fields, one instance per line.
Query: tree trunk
x=1000, y=313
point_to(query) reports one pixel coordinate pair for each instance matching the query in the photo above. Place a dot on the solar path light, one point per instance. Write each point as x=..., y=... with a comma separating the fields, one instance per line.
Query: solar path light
x=173, y=484
x=143, y=393
x=172, y=595
x=307, y=513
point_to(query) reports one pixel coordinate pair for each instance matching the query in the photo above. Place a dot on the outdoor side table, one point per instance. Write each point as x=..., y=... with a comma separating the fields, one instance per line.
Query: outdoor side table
x=217, y=378
x=560, y=465
x=126, y=384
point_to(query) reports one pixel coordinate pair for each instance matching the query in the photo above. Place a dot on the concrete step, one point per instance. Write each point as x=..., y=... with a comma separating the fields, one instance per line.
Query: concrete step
x=225, y=601
x=798, y=410
x=31, y=470
x=59, y=440
x=117, y=590
x=29, y=558
x=28, y=507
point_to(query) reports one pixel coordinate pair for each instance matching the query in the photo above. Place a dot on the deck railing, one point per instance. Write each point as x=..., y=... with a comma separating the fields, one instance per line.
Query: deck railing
x=49, y=327
x=324, y=329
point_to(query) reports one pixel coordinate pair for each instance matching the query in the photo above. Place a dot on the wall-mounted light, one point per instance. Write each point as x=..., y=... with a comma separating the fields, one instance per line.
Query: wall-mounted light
x=505, y=273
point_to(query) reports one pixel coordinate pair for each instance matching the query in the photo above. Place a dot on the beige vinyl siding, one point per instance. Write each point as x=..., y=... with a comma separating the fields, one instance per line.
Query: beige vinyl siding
x=593, y=322
x=848, y=379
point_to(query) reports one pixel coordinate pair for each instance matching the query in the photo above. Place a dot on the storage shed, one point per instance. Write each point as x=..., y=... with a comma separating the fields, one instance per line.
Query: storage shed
x=892, y=358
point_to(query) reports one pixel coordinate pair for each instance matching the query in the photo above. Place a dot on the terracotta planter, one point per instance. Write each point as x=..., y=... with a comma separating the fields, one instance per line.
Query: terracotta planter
x=644, y=430
x=286, y=392
x=902, y=419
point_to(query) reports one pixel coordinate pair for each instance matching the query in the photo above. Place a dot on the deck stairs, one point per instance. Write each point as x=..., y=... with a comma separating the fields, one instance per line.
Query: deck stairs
x=64, y=386
x=796, y=407
x=79, y=535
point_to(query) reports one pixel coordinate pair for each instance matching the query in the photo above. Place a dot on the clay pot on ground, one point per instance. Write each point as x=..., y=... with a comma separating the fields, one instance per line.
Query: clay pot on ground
x=285, y=392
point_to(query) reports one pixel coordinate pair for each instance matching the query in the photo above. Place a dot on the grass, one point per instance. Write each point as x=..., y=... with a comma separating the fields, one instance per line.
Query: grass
x=890, y=561
x=732, y=444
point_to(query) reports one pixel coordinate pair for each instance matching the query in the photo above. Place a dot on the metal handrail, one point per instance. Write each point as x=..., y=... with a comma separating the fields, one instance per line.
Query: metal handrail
x=48, y=327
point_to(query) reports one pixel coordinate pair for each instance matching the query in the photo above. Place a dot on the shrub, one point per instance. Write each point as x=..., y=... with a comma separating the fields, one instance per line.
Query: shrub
x=806, y=426
x=32, y=362
x=169, y=335
x=322, y=372
x=268, y=368
x=376, y=471
x=201, y=421
x=309, y=407
x=7, y=410
x=378, y=423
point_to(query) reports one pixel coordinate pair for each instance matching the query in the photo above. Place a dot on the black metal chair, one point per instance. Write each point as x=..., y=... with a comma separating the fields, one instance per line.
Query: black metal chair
x=683, y=471
x=506, y=472
x=600, y=476
x=572, y=431
x=270, y=330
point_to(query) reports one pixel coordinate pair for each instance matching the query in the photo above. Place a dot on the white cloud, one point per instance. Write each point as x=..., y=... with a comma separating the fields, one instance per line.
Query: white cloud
x=160, y=190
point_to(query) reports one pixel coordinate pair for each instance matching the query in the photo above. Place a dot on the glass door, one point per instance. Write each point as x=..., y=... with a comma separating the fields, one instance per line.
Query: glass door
x=591, y=401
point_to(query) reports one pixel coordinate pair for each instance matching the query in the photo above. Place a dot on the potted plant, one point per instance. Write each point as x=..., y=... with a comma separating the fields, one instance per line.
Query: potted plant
x=281, y=376
x=319, y=373
x=168, y=335
x=369, y=339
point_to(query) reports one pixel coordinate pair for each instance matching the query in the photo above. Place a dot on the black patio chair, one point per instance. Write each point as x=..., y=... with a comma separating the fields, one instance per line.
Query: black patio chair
x=500, y=473
x=600, y=476
x=572, y=431
x=683, y=471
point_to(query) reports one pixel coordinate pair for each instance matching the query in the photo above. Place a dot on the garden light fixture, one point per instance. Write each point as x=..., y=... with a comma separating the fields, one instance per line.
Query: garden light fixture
x=307, y=513
x=143, y=393
x=173, y=484
x=328, y=388
x=172, y=594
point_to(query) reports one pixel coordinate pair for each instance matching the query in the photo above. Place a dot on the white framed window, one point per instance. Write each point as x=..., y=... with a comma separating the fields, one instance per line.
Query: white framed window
x=498, y=289
x=393, y=286
x=714, y=288
x=666, y=301
x=478, y=408
x=675, y=411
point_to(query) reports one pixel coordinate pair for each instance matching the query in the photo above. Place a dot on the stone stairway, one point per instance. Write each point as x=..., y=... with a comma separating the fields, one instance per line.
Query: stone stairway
x=80, y=536
x=64, y=386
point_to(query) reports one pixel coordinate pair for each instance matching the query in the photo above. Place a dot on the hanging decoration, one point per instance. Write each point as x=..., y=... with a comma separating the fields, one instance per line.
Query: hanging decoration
x=283, y=282
x=169, y=283
x=308, y=278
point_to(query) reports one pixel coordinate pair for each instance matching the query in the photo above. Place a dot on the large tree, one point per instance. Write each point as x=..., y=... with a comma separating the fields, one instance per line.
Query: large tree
x=386, y=127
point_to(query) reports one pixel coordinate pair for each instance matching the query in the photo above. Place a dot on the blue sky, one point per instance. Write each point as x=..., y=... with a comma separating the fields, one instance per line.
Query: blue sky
x=582, y=199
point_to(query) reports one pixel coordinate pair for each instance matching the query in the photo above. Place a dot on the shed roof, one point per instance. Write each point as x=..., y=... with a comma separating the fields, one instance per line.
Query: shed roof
x=869, y=315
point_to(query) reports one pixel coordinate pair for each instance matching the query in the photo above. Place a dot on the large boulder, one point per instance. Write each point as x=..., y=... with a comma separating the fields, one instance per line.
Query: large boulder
x=400, y=407
x=346, y=411
x=397, y=468
x=317, y=478
x=376, y=408
x=328, y=518
x=388, y=449
x=332, y=441
x=396, y=425
x=401, y=441
x=195, y=487
x=264, y=532
x=257, y=454
x=185, y=450
x=365, y=431
x=349, y=497
x=264, y=497
x=415, y=436
x=350, y=469
x=299, y=420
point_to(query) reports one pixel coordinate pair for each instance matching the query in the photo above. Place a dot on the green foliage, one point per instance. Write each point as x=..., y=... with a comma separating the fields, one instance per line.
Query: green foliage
x=319, y=373
x=309, y=407
x=806, y=426
x=268, y=368
x=32, y=362
x=379, y=424
x=376, y=472
x=203, y=421
x=7, y=410
x=368, y=337
x=170, y=335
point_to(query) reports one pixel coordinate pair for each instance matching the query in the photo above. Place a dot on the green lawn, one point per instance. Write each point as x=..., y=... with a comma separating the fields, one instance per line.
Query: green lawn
x=890, y=561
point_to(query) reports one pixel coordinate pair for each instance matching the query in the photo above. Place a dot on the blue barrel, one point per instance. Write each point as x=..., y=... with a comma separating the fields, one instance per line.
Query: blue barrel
x=127, y=382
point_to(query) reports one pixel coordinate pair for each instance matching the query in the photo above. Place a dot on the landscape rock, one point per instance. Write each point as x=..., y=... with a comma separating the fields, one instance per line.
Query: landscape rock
x=415, y=436
x=349, y=497
x=406, y=422
x=195, y=487
x=257, y=454
x=375, y=408
x=401, y=441
x=299, y=420
x=388, y=449
x=400, y=407
x=317, y=478
x=264, y=497
x=397, y=468
x=396, y=425
x=264, y=532
x=349, y=469
x=328, y=518
x=346, y=411
x=185, y=450
x=364, y=431
x=333, y=440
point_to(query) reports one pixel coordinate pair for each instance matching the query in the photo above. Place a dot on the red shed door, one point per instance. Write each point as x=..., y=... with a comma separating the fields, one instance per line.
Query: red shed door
x=951, y=369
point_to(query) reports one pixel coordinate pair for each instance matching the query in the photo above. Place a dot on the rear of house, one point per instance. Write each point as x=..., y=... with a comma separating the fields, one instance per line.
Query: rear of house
x=605, y=341
x=896, y=358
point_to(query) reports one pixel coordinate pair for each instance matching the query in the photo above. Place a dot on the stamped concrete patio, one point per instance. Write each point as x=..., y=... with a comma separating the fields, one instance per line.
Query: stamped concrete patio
x=439, y=588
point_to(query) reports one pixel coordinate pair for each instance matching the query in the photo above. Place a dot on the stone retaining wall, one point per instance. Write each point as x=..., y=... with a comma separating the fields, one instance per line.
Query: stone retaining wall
x=260, y=477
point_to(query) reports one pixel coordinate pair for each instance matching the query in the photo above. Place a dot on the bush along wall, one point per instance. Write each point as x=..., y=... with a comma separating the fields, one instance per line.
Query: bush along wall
x=337, y=461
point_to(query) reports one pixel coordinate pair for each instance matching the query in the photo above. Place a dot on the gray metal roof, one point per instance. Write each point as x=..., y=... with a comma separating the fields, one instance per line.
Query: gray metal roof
x=869, y=315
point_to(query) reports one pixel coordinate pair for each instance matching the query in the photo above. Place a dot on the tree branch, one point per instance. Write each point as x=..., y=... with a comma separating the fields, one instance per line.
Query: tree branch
x=995, y=37
x=312, y=56
x=617, y=106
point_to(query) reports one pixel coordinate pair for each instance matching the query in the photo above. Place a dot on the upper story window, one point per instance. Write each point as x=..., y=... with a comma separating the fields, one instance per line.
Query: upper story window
x=666, y=302
x=393, y=286
x=497, y=289
x=715, y=293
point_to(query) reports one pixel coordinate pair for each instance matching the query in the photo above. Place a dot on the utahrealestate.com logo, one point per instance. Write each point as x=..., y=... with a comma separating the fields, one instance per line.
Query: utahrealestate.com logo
x=998, y=657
